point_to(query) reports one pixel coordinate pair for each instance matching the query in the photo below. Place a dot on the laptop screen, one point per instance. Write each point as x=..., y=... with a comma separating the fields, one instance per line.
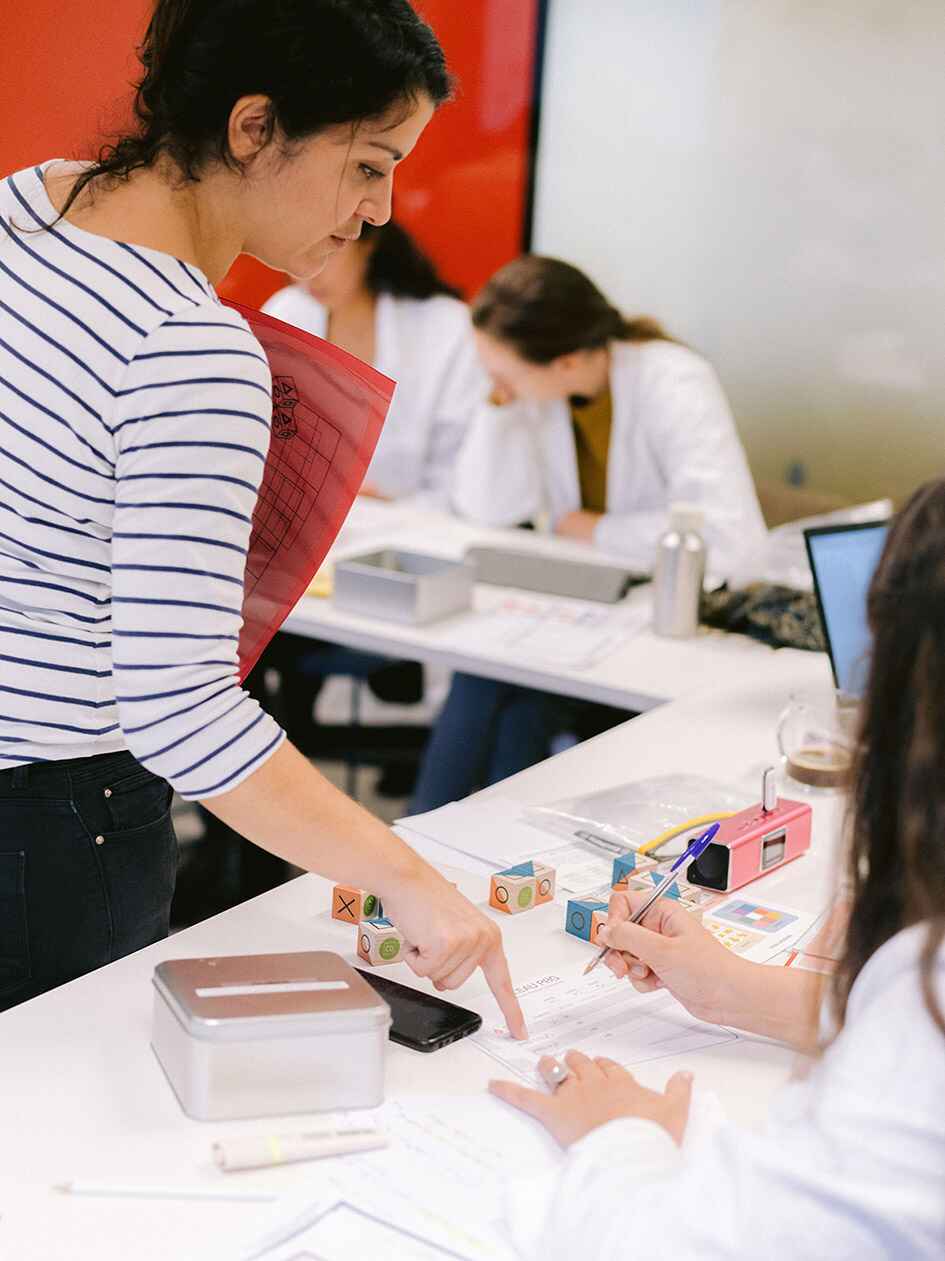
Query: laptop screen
x=843, y=560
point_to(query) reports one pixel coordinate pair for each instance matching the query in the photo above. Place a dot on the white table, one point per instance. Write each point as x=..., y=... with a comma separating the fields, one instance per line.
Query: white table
x=645, y=672
x=83, y=1097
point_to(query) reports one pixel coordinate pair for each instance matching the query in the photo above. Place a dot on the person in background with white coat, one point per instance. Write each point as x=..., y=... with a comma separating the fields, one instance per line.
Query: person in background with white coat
x=383, y=300
x=598, y=421
x=851, y=1163
x=596, y=425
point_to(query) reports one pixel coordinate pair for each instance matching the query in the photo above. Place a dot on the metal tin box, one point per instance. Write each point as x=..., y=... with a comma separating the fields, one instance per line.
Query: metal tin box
x=262, y=1035
x=403, y=586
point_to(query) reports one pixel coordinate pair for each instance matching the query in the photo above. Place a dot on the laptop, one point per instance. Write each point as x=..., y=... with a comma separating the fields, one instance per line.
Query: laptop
x=843, y=559
x=552, y=575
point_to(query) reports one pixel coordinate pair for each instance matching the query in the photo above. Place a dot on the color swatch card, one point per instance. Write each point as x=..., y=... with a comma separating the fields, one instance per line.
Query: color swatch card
x=761, y=919
x=759, y=931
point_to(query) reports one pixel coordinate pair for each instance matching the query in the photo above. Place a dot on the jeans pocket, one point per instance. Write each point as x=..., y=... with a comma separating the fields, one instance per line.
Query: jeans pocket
x=139, y=868
x=137, y=799
x=14, y=935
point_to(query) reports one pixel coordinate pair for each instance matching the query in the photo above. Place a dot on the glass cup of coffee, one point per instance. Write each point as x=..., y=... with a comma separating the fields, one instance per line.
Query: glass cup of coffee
x=817, y=736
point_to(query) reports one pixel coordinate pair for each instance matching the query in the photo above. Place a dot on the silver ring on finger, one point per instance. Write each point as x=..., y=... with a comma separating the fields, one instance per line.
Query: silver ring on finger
x=556, y=1074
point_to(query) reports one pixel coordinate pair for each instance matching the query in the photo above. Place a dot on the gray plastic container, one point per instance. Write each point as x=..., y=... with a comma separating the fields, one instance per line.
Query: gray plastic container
x=403, y=586
x=267, y=1035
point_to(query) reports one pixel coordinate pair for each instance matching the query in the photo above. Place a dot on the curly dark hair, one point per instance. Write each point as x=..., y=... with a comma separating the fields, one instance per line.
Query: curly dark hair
x=320, y=63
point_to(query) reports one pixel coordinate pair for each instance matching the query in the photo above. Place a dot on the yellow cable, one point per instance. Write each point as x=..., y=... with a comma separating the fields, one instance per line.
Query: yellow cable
x=668, y=835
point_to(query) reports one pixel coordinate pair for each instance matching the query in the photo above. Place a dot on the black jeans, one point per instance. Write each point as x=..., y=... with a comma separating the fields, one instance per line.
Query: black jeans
x=88, y=860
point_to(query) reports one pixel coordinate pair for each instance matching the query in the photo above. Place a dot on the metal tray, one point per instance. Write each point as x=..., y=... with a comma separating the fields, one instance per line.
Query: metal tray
x=403, y=586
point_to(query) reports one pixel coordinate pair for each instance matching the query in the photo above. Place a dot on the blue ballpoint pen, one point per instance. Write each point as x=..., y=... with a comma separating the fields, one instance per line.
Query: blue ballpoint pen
x=693, y=852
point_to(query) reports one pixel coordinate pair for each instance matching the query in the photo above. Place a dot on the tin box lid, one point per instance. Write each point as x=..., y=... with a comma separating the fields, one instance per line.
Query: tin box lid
x=233, y=997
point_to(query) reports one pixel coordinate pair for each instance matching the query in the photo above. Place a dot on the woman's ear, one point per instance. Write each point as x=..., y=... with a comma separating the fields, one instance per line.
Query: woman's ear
x=250, y=128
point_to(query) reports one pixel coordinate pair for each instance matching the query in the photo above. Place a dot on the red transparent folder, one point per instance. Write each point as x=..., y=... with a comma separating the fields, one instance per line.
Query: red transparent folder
x=328, y=409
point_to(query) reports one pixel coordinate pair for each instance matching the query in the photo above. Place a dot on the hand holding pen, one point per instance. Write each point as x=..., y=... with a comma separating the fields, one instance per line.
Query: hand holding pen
x=690, y=855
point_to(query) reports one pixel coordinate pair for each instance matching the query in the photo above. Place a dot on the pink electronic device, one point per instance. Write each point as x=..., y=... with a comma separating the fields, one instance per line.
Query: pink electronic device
x=754, y=841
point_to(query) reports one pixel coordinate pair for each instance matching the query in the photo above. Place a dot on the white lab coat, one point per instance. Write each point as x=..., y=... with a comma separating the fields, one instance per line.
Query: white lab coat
x=673, y=439
x=850, y=1166
x=426, y=346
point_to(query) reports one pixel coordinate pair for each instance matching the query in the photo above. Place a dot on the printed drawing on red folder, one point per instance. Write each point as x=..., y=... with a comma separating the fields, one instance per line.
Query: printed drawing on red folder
x=328, y=409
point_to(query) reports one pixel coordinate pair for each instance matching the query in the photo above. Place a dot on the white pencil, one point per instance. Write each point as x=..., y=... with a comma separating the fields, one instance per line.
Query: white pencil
x=157, y=1192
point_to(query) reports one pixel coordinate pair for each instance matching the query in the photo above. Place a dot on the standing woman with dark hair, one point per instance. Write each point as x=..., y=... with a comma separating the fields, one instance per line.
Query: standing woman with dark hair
x=384, y=301
x=135, y=413
x=852, y=1160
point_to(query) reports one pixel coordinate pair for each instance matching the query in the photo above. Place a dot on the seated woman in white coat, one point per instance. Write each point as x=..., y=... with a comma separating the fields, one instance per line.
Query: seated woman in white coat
x=382, y=299
x=596, y=425
x=599, y=422
x=851, y=1163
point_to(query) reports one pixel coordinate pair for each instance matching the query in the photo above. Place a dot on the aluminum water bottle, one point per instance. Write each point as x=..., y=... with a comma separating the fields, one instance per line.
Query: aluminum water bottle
x=679, y=573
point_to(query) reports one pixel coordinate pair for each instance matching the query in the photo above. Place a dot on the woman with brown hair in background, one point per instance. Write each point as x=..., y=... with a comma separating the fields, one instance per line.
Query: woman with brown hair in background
x=596, y=426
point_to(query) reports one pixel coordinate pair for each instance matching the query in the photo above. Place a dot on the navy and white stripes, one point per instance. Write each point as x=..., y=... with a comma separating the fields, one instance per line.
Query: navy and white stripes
x=134, y=426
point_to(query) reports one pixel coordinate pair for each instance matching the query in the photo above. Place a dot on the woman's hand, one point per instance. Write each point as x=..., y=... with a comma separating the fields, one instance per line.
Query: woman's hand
x=671, y=950
x=598, y=1091
x=449, y=938
x=370, y=491
x=579, y=524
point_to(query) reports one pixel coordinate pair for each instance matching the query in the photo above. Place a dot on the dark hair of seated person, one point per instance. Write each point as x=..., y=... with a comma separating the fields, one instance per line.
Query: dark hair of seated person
x=896, y=825
x=399, y=266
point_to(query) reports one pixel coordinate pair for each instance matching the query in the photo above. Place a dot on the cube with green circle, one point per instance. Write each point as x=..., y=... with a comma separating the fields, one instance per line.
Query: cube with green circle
x=379, y=942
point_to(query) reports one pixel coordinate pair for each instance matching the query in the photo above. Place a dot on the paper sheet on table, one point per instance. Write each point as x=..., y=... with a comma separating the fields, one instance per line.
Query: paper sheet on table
x=437, y=1189
x=572, y=634
x=328, y=409
x=492, y=831
x=600, y=1016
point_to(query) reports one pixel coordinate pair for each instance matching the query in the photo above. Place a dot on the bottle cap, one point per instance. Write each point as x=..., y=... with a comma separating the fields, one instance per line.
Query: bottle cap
x=686, y=517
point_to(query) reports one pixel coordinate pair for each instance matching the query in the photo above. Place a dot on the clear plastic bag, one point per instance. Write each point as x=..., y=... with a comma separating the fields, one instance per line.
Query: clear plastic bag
x=630, y=815
x=782, y=560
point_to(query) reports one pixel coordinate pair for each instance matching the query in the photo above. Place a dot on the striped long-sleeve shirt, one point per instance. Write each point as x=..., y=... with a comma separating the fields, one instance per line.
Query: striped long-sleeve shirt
x=134, y=427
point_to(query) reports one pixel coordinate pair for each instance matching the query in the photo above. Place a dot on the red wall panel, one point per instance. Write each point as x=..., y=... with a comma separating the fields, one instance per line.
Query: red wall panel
x=65, y=71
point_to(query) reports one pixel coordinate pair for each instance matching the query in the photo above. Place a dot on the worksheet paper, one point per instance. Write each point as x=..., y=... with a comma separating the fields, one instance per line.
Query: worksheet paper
x=598, y=1015
x=570, y=634
x=492, y=831
x=436, y=1192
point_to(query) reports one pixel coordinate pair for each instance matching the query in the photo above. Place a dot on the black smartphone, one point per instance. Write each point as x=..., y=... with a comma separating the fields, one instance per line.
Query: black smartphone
x=422, y=1021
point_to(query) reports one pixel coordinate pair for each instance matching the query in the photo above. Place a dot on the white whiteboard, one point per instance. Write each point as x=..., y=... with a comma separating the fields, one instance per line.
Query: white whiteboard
x=767, y=177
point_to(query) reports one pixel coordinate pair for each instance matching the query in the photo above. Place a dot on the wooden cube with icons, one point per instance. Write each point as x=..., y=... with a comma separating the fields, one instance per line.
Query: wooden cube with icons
x=598, y=920
x=673, y=891
x=623, y=866
x=352, y=905
x=584, y=918
x=521, y=887
x=379, y=942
